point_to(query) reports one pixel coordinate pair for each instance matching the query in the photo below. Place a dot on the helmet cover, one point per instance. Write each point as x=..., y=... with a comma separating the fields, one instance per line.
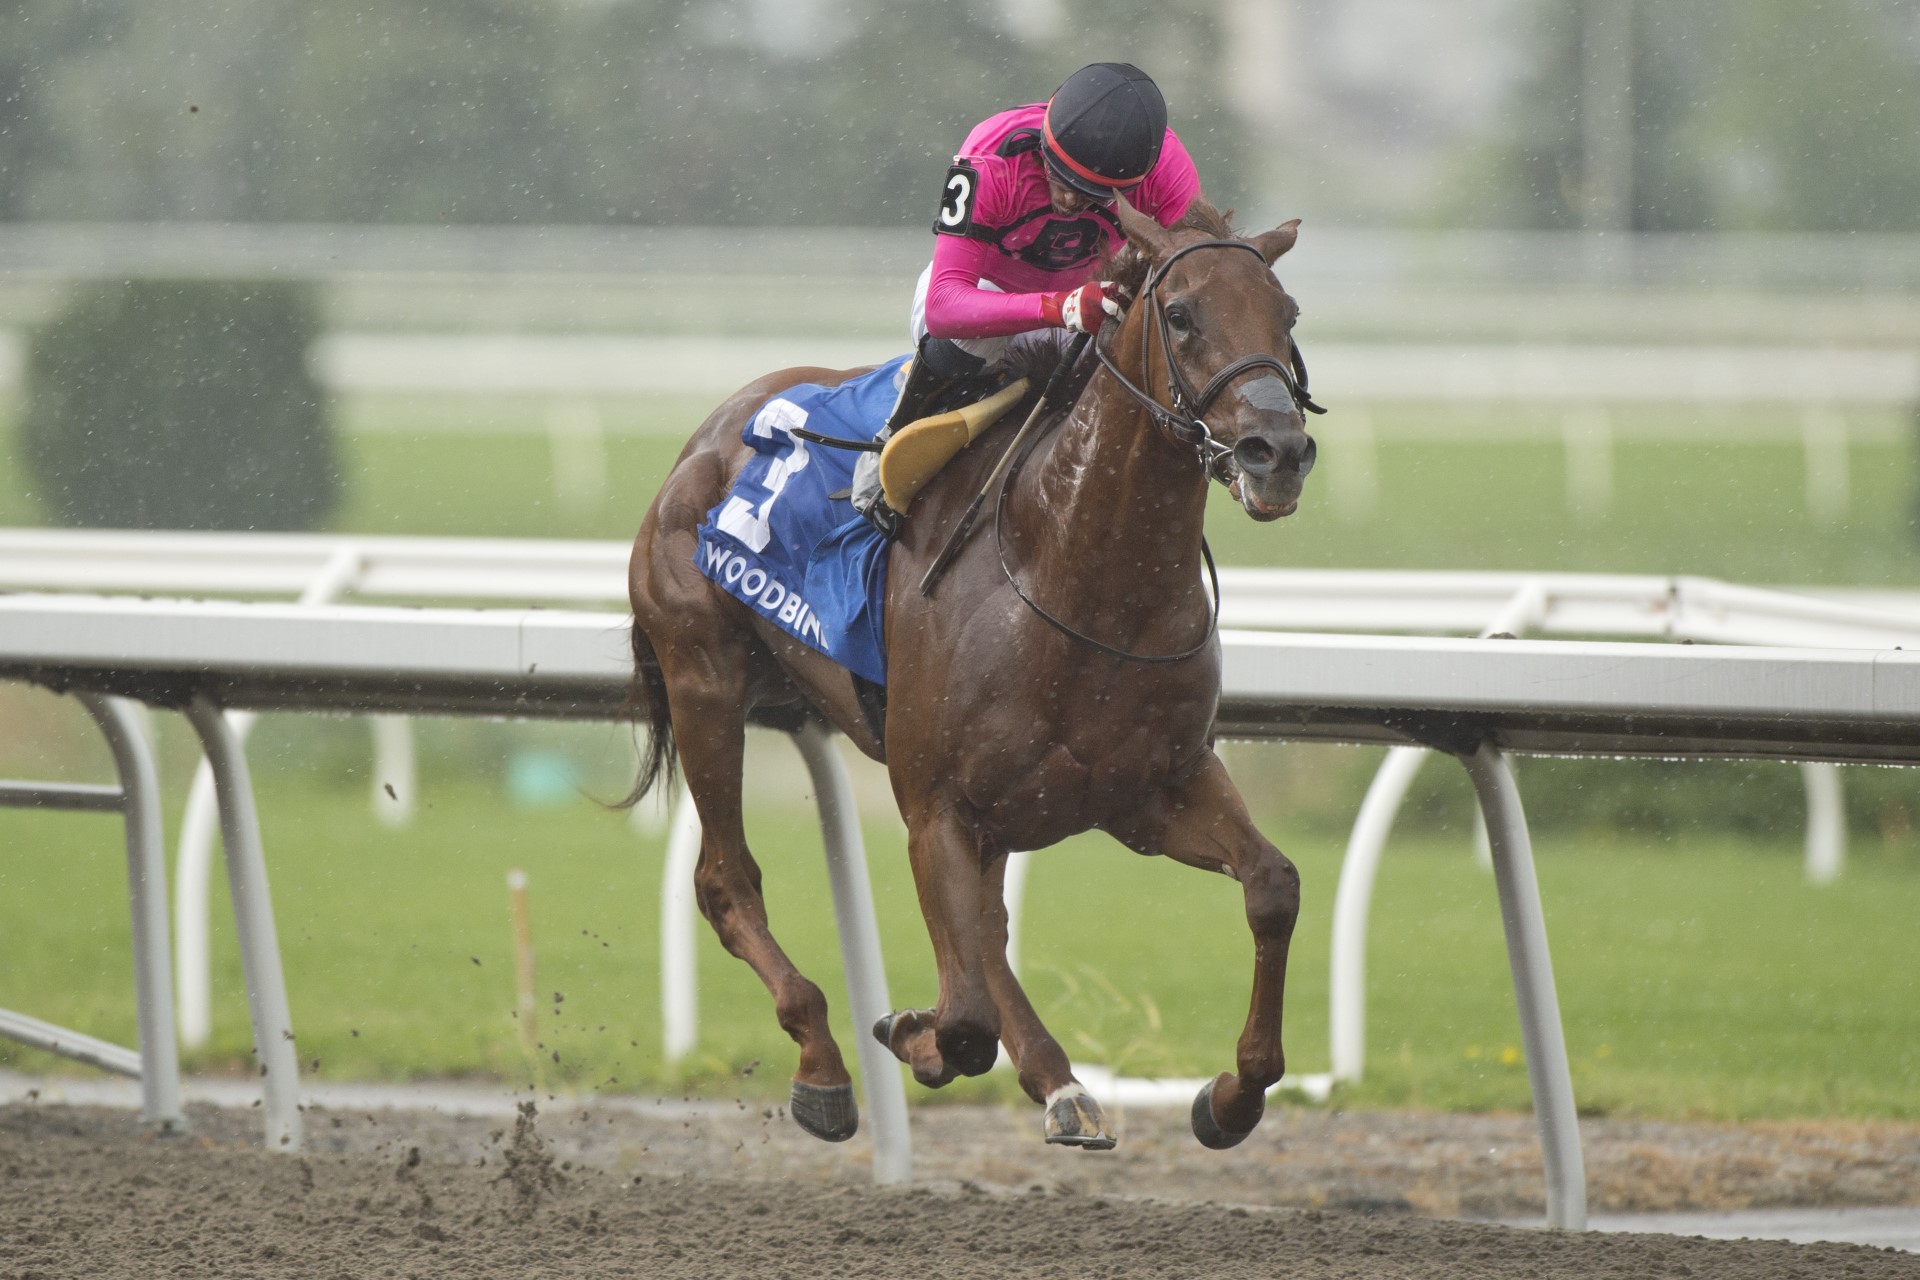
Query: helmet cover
x=1104, y=128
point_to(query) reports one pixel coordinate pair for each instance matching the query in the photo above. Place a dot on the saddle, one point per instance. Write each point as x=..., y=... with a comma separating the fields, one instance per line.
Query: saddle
x=917, y=451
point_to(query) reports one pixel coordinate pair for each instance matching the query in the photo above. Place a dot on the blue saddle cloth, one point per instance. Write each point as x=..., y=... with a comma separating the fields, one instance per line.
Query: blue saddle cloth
x=809, y=563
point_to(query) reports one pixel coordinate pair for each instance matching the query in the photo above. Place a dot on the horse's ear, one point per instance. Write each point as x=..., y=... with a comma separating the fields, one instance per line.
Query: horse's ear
x=1148, y=237
x=1272, y=244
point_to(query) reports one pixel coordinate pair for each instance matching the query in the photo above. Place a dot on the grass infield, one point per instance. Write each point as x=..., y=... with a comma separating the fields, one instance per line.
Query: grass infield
x=1735, y=510
x=1698, y=976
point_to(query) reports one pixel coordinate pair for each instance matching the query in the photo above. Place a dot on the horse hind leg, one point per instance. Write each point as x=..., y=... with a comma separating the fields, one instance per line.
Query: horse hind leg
x=1203, y=823
x=1073, y=1117
x=709, y=716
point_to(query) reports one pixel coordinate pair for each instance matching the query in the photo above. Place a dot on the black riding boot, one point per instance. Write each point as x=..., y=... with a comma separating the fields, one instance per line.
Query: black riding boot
x=937, y=367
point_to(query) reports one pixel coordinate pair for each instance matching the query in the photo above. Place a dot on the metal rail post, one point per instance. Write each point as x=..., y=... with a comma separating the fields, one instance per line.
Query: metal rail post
x=1587, y=435
x=1353, y=899
x=193, y=870
x=679, y=979
x=147, y=899
x=253, y=922
x=156, y=1063
x=1353, y=903
x=1823, y=434
x=1014, y=894
x=396, y=774
x=1533, y=990
x=886, y=1098
x=859, y=929
x=1826, y=822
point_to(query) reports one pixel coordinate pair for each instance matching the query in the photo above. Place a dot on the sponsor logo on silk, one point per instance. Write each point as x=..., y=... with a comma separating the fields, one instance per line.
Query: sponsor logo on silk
x=753, y=584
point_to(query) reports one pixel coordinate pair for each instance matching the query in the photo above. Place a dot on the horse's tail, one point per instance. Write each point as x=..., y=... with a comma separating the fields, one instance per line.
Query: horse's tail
x=648, y=694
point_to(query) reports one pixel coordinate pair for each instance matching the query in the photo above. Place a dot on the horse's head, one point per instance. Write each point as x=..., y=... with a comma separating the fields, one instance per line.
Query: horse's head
x=1210, y=337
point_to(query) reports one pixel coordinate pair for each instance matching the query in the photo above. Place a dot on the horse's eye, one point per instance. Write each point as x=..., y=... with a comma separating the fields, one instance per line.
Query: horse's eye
x=1179, y=319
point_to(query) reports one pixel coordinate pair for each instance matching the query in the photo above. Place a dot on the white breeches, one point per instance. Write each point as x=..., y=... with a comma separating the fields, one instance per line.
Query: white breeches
x=987, y=349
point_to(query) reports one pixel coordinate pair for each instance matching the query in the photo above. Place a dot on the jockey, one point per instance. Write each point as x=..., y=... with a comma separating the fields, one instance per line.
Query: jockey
x=1026, y=217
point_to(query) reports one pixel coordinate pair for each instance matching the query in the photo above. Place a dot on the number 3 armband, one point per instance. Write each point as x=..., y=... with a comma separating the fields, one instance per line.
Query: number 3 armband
x=956, y=200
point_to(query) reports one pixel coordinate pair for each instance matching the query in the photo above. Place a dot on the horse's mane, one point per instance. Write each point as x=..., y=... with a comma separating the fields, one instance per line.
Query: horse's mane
x=1128, y=268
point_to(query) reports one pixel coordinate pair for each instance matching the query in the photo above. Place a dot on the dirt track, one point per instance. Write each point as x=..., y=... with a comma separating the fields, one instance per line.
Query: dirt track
x=731, y=1191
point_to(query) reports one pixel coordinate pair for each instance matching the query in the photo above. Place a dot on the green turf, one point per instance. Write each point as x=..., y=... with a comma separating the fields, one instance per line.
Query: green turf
x=486, y=469
x=1735, y=511
x=1697, y=975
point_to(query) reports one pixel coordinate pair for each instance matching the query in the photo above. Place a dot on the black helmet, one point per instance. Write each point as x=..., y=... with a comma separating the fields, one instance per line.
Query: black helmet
x=1104, y=128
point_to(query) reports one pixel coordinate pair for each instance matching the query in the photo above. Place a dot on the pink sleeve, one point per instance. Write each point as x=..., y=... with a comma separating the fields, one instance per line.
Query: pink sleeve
x=1171, y=185
x=957, y=307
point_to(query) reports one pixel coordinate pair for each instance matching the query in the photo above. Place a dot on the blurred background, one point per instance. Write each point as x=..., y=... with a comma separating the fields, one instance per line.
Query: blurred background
x=1589, y=285
x=264, y=265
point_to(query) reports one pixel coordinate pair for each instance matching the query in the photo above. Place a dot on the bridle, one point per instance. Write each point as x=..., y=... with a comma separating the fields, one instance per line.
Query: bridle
x=1181, y=421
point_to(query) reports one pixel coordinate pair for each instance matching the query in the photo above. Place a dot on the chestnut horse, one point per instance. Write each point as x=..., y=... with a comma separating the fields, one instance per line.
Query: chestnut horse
x=1061, y=676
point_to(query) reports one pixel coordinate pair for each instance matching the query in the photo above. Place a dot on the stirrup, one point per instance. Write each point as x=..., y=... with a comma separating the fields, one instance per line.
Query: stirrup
x=889, y=522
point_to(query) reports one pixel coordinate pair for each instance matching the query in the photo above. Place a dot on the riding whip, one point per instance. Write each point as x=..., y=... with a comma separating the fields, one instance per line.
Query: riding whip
x=960, y=532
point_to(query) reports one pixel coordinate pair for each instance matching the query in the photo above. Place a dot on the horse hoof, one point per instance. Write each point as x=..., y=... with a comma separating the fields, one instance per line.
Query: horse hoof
x=828, y=1112
x=969, y=1055
x=1207, y=1129
x=883, y=1030
x=1074, y=1120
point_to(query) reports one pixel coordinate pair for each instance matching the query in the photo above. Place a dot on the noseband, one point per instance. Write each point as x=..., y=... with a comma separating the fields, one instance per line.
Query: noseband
x=1182, y=419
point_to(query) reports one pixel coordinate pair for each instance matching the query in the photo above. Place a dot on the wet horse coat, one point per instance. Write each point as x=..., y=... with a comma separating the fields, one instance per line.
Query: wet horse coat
x=1003, y=730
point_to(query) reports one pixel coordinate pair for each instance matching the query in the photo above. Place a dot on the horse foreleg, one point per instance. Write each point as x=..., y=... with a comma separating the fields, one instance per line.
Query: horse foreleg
x=960, y=1035
x=1203, y=822
x=1073, y=1117
x=710, y=726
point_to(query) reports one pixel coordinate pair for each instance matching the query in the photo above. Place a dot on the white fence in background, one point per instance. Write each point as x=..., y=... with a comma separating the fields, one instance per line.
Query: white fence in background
x=1343, y=373
x=1850, y=265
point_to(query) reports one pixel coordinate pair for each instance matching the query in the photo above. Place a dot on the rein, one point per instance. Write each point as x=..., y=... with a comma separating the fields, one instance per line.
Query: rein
x=1186, y=426
x=1000, y=551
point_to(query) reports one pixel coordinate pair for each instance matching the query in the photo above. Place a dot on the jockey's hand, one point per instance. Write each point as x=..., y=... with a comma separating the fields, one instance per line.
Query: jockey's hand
x=1082, y=310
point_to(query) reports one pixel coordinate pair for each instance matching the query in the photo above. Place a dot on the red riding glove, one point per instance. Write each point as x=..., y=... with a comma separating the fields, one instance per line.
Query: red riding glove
x=1082, y=310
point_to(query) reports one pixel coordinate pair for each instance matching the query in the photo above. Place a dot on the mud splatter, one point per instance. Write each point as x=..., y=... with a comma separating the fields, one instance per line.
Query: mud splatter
x=530, y=1167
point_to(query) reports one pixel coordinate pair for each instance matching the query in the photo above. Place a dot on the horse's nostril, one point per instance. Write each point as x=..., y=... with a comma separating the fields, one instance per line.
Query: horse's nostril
x=1307, y=456
x=1256, y=457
